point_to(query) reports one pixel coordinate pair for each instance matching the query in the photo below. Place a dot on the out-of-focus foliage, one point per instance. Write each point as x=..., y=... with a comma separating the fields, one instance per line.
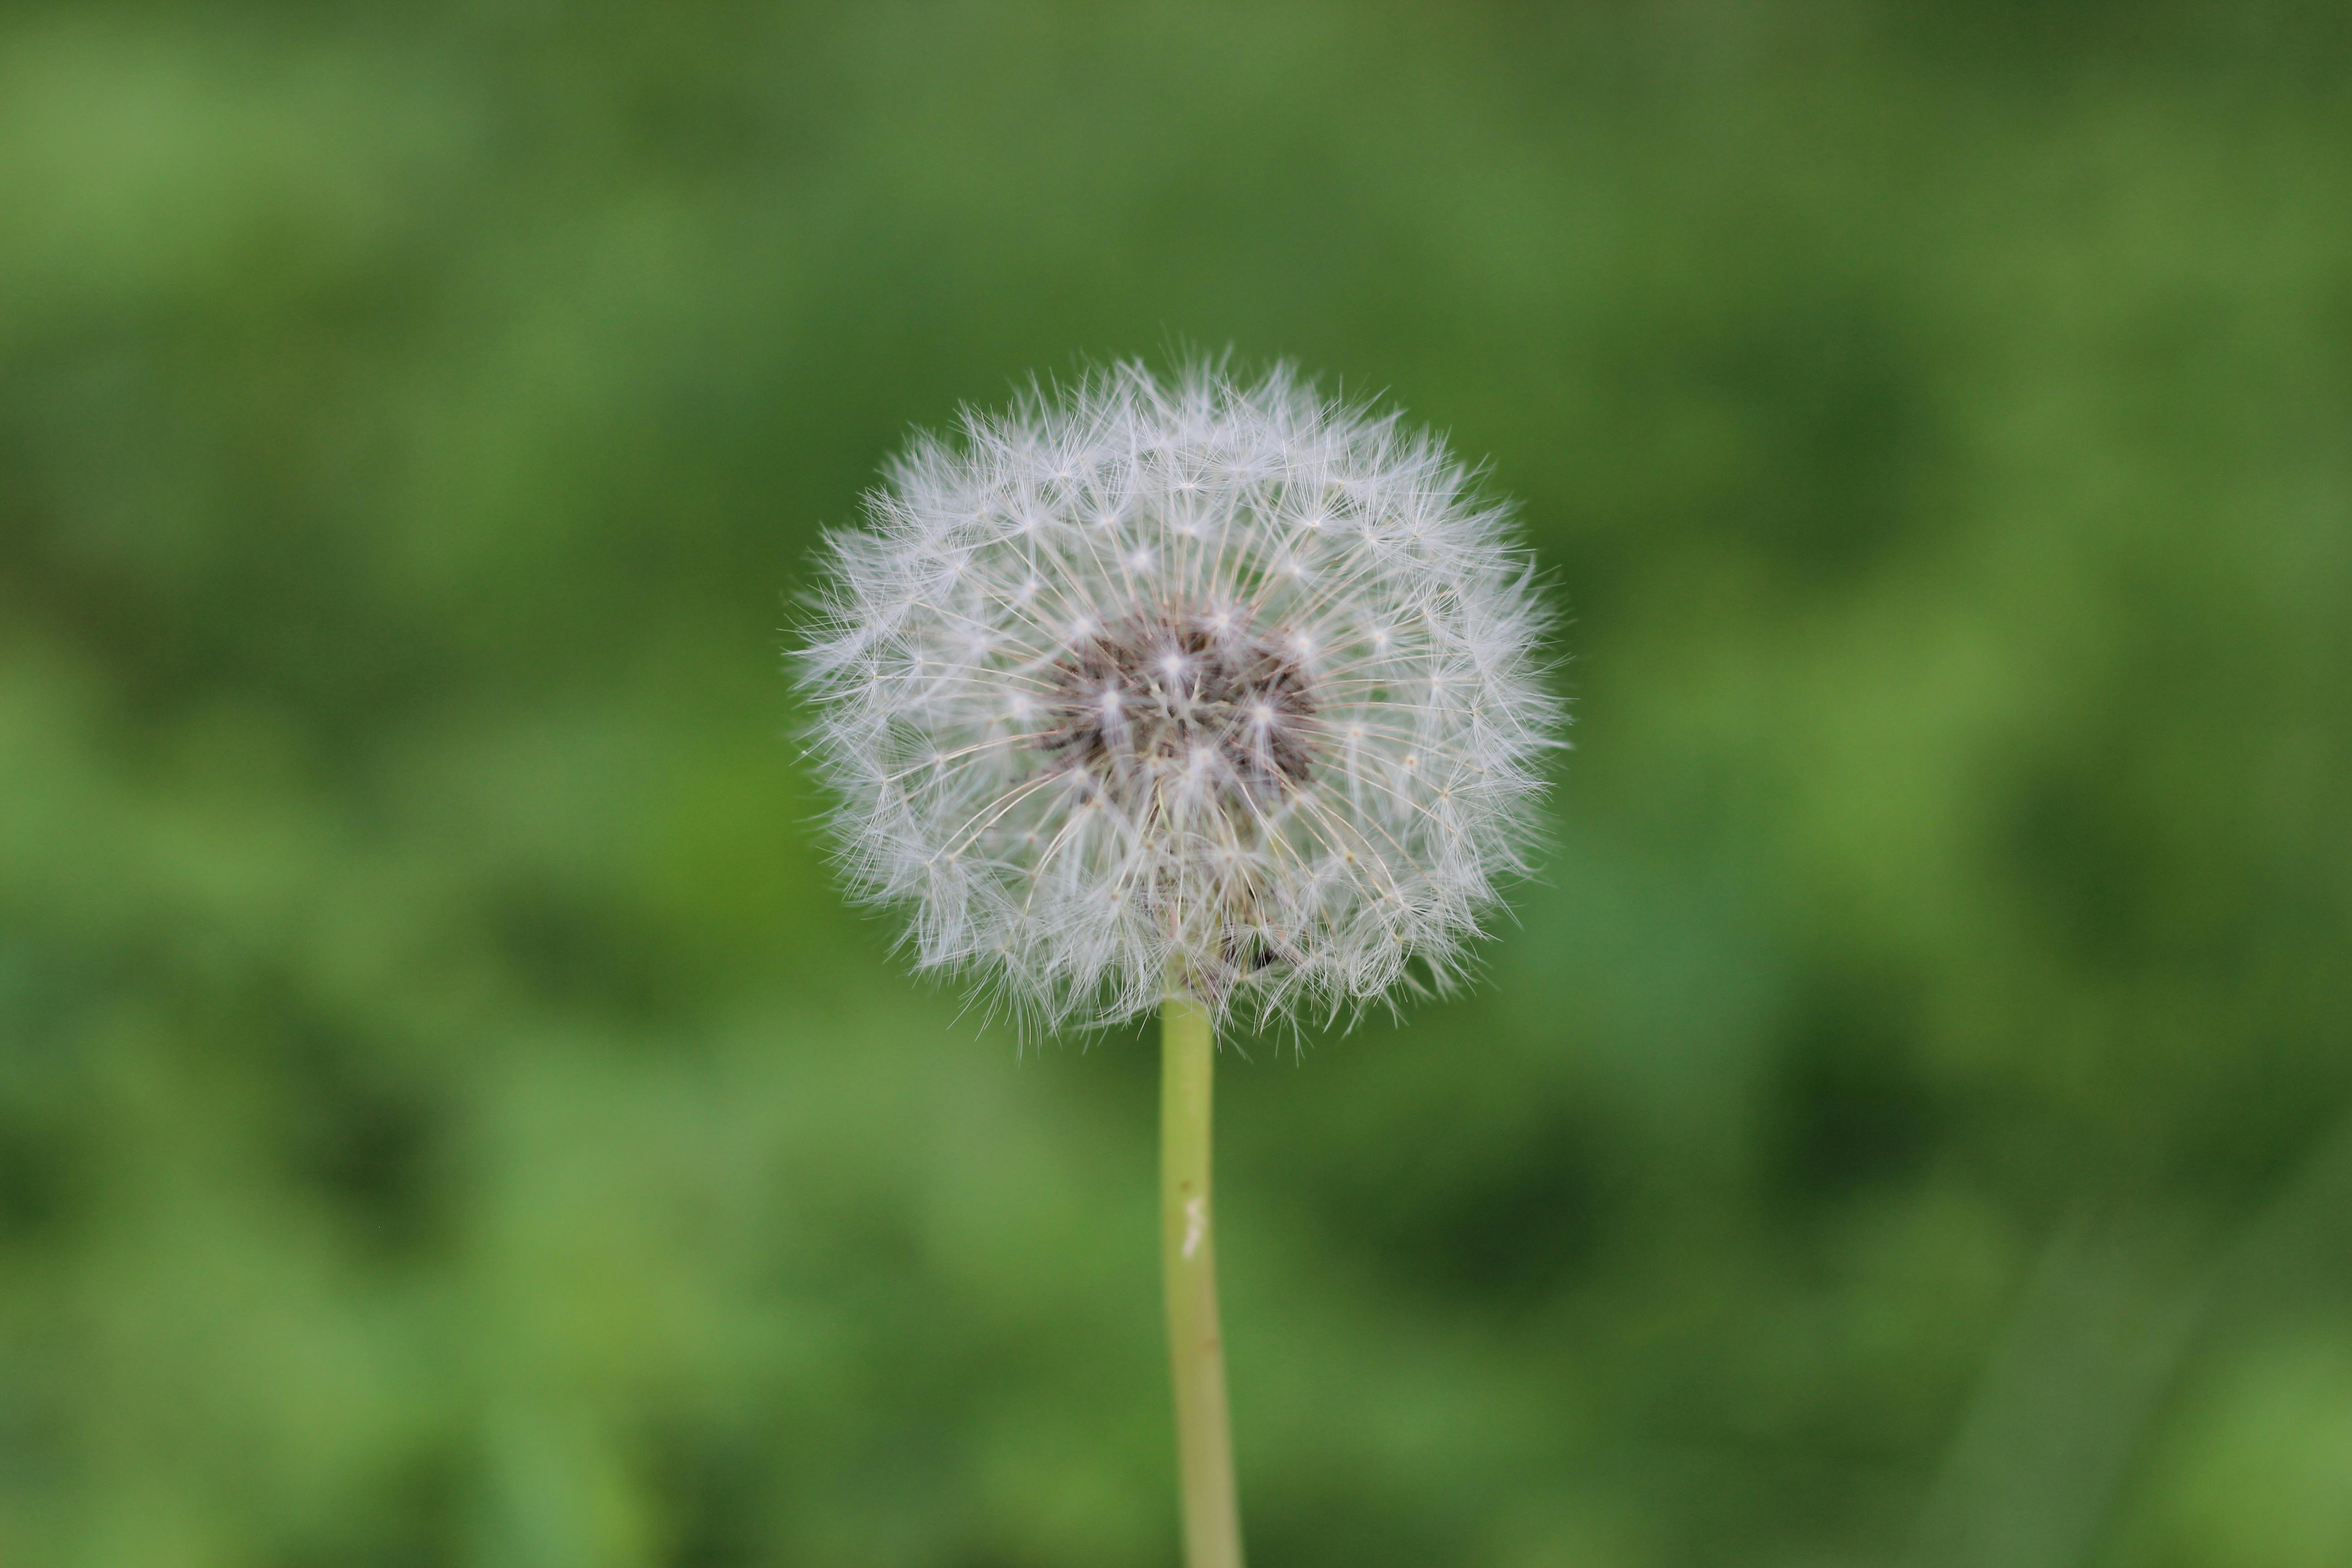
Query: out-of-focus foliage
x=446, y=1118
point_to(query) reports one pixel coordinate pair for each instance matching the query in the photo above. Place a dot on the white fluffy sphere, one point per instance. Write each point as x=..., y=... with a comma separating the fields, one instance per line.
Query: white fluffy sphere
x=1199, y=685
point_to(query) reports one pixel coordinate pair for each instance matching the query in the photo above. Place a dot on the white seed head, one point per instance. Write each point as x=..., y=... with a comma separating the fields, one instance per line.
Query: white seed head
x=1146, y=683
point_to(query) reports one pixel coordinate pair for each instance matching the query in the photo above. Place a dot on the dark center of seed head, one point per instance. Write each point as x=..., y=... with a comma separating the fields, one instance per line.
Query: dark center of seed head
x=1140, y=700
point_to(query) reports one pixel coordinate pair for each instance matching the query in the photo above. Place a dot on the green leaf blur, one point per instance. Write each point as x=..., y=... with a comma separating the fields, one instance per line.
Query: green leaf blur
x=447, y=1115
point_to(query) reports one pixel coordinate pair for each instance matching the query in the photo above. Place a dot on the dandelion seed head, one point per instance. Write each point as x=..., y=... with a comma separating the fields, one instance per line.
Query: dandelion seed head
x=1191, y=681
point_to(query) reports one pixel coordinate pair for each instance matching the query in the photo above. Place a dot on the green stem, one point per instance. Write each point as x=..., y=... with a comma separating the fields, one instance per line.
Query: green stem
x=1196, y=1348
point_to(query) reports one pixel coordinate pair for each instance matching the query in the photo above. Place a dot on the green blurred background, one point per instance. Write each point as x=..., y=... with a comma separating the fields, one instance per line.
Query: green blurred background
x=447, y=1116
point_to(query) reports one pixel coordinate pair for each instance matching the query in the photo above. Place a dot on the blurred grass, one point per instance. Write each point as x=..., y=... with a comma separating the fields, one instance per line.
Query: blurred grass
x=446, y=1116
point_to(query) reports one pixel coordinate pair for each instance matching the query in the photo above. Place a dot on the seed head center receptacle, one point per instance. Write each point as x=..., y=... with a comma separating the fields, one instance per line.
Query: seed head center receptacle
x=1167, y=690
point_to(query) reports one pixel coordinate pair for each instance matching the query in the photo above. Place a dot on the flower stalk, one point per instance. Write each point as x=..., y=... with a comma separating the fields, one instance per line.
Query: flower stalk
x=1196, y=1346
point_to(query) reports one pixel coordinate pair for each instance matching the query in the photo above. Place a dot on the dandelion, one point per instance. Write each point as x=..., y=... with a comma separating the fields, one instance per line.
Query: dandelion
x=1203, y=695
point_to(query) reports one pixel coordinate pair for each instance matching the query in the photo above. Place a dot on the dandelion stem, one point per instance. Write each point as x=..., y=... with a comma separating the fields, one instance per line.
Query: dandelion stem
x=1196, y=1347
